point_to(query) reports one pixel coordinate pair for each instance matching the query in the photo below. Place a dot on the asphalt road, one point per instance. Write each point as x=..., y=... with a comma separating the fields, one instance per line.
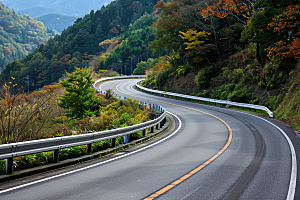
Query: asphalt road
x=200, y=161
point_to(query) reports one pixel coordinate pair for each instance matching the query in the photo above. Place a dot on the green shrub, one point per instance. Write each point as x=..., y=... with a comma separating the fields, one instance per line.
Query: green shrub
x=204, y=76
x=163, y=76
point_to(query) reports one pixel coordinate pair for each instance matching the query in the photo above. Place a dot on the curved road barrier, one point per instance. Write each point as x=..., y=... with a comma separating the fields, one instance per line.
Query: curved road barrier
x=215, y=101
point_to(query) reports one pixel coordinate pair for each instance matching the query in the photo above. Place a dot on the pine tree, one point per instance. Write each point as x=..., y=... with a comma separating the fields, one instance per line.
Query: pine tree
x=79, y=96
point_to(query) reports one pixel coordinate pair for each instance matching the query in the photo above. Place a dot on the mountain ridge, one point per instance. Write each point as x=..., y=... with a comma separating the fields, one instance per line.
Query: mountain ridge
x=19, y=35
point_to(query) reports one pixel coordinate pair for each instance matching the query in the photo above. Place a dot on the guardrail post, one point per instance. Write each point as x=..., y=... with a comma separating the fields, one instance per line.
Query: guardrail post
x=113, y=141
x=88, y=146
x=129, y=137
x=125, y=139
x=152, y=129
x=55, y=155
x=9, y=165
x=157, y=126
x=144, y=132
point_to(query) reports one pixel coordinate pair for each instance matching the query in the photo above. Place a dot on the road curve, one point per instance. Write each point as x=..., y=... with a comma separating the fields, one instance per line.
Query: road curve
x=199, y=139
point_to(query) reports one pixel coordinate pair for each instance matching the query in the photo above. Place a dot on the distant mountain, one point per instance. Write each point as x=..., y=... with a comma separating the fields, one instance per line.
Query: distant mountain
x=19, y=35
x=79, y=43
x=69, y=10
x=67, y=7
x=37, y=11
x=57, y=22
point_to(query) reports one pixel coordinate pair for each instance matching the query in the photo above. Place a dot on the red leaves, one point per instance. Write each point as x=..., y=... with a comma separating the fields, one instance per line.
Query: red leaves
x=286, y=24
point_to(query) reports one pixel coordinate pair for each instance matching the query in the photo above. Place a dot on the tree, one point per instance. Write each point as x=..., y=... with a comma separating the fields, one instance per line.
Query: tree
x=194, y=17
x=287, y=26
x=167, y=28
x=18, y=110
x=78, y=97
x=240, y=9
x=193, y=38
x=263, y=27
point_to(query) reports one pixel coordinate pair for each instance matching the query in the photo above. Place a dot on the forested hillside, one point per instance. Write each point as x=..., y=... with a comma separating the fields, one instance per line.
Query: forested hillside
x=241, y=50
x=78, y=44
x=19, y=35
x=130, y=48
x=57, y=15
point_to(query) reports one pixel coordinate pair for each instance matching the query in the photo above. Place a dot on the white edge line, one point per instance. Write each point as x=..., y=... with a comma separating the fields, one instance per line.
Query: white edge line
x=100, y=87
x=293, y=179
x=97, y=164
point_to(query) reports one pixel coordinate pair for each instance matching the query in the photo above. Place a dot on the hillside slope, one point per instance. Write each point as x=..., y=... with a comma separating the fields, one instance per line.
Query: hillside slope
x=19, y=35
x=79, y=43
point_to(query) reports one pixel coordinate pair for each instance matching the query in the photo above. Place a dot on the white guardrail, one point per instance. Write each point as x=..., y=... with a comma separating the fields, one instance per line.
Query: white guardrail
x=8, y=151
x=222, y=102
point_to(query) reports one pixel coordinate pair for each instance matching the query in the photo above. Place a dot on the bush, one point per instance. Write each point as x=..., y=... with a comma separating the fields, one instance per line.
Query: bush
x=204, y=76
x=163, y=76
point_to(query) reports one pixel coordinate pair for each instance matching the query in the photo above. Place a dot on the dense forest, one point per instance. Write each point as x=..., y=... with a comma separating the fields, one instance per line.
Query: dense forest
x=19, y=35
x=78, y=44
x=240, y=50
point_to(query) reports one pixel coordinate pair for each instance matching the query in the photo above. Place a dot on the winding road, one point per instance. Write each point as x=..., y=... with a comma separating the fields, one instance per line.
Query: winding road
x=212, y=153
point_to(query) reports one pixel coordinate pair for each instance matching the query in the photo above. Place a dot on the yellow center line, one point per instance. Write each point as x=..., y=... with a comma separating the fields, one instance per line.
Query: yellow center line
x=197, y=169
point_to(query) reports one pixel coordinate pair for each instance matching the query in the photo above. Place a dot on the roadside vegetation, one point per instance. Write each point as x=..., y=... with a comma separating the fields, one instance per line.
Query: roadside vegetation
x=227, y=50
x=71, y=107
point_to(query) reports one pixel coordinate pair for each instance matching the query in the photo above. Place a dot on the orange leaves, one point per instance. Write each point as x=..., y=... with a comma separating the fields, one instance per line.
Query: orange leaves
x=286, y=25
x=223, y=8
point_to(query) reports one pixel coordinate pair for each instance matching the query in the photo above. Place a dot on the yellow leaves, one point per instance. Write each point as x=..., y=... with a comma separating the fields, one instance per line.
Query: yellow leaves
x=194, y=38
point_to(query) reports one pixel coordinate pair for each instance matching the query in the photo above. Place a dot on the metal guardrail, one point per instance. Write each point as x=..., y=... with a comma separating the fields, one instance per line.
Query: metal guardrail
x=8, y=151
x=43, y=145
x=223, y=102
x=113, y=78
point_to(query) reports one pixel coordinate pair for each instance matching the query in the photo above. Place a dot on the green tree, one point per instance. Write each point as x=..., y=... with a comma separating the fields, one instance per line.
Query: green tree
x=79, y=96
x=167, y=28
x=140, y=69
x=258, y=29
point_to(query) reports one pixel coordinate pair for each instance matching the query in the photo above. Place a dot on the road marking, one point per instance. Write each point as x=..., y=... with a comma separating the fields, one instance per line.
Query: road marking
x=97, y=164
x=197, y=169
x=293, y=179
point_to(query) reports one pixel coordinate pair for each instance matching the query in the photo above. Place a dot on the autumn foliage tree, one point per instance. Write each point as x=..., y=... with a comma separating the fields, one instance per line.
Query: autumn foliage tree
x=167, y=28
x=19, y=112
x=273, y=28
x=240, y=9
x=287, y=26
x=195, y=43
